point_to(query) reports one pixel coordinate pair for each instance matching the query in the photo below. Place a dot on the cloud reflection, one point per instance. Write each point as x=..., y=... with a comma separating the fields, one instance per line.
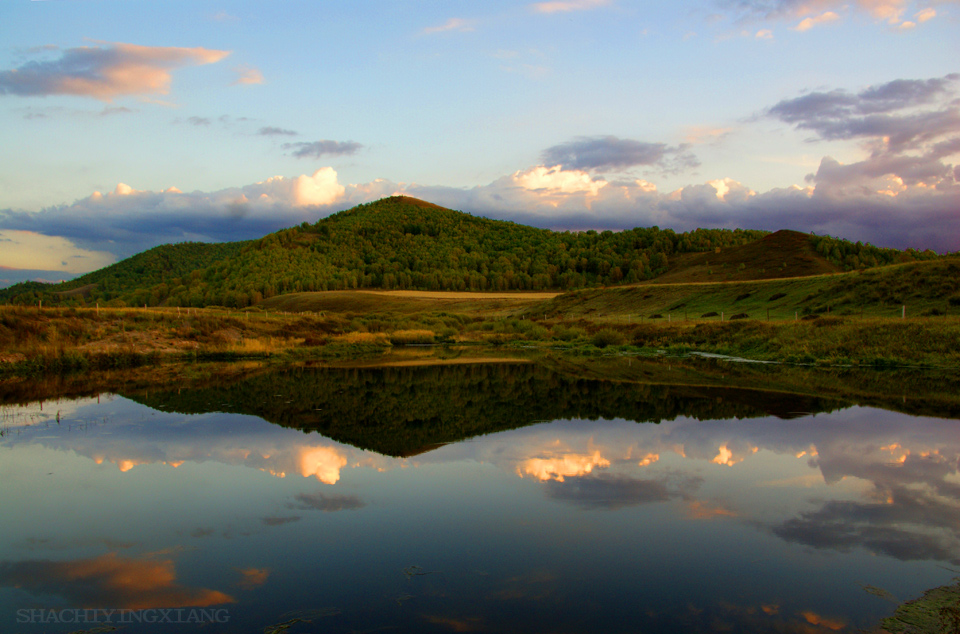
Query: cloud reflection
x=109, y=580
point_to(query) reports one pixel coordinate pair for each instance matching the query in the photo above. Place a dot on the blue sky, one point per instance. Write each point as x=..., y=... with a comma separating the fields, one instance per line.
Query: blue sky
x=127, y=124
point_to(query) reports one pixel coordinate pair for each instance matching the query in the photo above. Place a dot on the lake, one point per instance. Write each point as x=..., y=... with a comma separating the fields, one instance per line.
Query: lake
x=435, y=493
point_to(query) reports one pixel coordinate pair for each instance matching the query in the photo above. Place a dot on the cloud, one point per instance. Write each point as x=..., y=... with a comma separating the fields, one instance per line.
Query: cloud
x=703, y=134
x=223, y=16
x=105, y=72
x=610, y=153
x=764, y=34
x=29, y=250
x=908, y=127
x=924, y=15
x=905, y=192
x=840, y=114
x=808, y=23
x=324, y=463
x=453, y=24
x=251, y=578
x=813, y=12
x=199, y=121
x=108, y=580
x=316, y=149
x=327, y=503
x=608, y=491
x=562, y=466
x=916, y=528
x=108, y=110
x=273, y=131
x=565, y=6
x=280, y=521
x=127, y=221
x=247, y=76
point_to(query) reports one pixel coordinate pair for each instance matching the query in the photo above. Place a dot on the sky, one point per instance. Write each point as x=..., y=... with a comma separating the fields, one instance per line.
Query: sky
x=131, y=123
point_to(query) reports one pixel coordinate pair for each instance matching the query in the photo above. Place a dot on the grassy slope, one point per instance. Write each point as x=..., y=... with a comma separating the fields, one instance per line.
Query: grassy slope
x=924, y=287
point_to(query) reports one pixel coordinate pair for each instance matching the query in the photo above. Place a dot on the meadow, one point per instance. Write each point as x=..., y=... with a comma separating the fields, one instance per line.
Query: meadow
x=354, y=324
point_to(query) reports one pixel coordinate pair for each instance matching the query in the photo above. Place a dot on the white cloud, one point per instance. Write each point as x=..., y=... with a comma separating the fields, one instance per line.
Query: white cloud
x=453, y=24
x=247, y=76
x=809, y=23
x=554, y=179
x=30, y=250
x=565, y=6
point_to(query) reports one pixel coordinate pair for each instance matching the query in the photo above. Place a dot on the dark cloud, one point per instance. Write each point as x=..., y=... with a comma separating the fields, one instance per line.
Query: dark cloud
x=610, y=492
x=768, y=9
x=279, y=521
x=199, y=120
x=877, y=112
x=610, y=153
x=322, y=502
x=115, y=110
x=274, y=131
x=316, y=149
x=908, y=128
x=911, y=527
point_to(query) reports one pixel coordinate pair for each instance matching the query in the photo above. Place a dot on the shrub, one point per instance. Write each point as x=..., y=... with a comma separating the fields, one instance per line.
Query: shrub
x=608, y=337
x=739, y=316
x=447, y=334
x=407, y=337
x=710, y=314
x=743, y=296
x=537, y=332
x=656, y=316
x=567, y=334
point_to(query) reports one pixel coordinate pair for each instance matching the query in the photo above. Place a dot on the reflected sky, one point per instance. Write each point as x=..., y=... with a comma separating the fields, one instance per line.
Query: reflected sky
x=759, y=524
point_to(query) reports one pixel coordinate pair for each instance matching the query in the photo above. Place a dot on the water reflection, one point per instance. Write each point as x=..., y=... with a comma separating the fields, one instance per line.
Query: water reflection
x=501, y=497
x=110, y=580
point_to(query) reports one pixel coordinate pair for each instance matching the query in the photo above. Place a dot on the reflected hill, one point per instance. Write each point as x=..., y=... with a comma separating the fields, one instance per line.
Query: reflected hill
x=415, y=400
x=403, y=411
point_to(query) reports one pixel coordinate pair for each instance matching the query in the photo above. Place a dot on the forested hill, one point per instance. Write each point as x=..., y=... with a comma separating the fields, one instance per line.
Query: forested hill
x=393, y=243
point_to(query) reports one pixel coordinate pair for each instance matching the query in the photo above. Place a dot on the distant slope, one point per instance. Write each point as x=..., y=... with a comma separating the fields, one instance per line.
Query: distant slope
x=405, y=243
x=166, y=265
x=925, y=288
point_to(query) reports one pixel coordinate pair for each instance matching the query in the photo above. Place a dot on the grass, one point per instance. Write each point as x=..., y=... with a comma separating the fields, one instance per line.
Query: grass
x=924, y=288
x=403, y=302
x=847, y=319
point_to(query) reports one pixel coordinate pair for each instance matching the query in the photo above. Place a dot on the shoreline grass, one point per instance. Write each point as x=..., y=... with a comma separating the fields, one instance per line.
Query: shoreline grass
x=35, y=341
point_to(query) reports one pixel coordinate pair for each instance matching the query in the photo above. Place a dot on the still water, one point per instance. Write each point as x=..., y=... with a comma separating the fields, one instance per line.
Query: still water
x=490, y=497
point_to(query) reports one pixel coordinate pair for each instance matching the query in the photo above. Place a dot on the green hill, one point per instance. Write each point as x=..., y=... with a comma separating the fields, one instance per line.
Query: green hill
x=151, y=270
x=925, y=288
x=405, y=243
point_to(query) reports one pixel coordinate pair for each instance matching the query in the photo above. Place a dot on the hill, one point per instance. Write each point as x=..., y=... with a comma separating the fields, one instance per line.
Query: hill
x=151, y=269
x=405, y=243
x=781, y=254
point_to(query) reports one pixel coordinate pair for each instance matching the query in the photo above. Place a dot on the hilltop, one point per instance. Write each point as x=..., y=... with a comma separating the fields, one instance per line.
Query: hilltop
x=405, y=243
